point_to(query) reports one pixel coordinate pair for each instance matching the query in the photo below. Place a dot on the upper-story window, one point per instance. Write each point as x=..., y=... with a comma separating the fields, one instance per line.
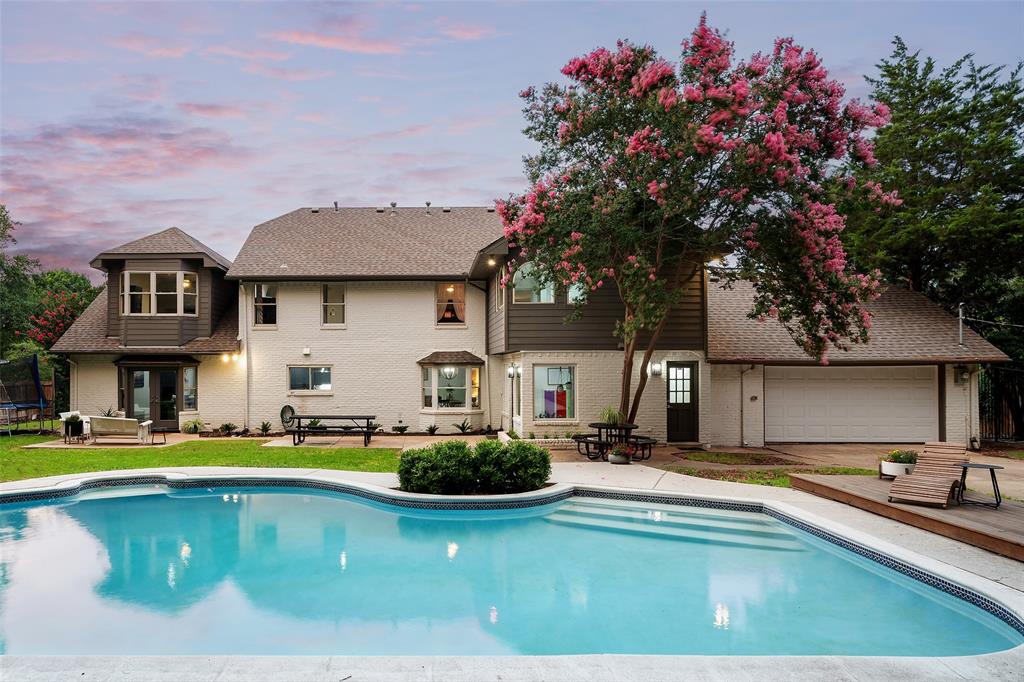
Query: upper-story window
x=265, y=304
x=450, y=303
x=499, y=293
x=526, y=288
x=332, y=298
x=159, y=293
x=576, y=293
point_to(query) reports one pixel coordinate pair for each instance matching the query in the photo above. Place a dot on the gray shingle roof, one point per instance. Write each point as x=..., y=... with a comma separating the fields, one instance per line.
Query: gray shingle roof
x=450, y=357
x=907, y=327
x=170, y=241
x=364, y=243
x=89, y=335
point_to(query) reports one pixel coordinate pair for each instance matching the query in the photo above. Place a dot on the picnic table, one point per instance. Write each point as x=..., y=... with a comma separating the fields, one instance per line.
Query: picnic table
x=353, y=423
x=597, y=446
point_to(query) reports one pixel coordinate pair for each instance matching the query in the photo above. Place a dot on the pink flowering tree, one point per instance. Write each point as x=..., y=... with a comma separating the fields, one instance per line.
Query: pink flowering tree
x=647, y=170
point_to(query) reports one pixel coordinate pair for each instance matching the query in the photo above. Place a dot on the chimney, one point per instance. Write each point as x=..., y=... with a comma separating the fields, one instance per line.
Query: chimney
x=428, y=208
x=335, y=206
x=393, y=205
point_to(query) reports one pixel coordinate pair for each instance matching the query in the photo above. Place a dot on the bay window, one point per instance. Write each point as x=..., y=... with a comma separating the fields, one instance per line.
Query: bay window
x=527, y=288
x=450, y=303
x=451, y=387
x=554, y=395
x=159, y=293
x=309, y=378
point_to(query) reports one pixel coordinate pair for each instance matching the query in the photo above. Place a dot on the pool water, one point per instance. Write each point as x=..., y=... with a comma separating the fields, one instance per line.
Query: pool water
x=294, y=571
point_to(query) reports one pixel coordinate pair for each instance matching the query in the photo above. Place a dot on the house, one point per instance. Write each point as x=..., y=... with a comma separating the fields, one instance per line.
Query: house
x=399, y=312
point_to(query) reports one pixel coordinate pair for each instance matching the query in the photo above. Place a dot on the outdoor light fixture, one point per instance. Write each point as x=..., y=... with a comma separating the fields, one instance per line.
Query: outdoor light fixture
x=234, y=357
x=224, y=358
x=519, y=370
x=961, y=374
x=492, y=262
x=511, y=371
x=450, y=289
x=654, y=368
x=448, y=372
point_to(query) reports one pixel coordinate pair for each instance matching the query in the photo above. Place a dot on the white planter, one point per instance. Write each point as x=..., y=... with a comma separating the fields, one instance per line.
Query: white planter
x=894, y=468
x=616, y=458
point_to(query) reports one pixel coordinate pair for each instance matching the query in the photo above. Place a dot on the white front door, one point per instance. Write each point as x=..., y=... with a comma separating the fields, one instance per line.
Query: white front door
x=851, y=404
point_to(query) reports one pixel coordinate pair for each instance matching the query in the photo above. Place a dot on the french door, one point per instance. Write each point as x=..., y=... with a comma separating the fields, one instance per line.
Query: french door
x=681, y=382
x=153, y=394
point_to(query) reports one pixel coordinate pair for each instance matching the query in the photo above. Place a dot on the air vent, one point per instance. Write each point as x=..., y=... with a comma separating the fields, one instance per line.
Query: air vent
x=446, y=209
x=380, y=210
x=490, y=209
x=314, y=210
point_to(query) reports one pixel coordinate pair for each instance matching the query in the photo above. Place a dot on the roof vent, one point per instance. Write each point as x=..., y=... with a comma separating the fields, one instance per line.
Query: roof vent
x=490, y=209
x=380, y=209
x=428, y=208
x=335, y=206
x=447, y=209
x=314, y=210
x=393, y=205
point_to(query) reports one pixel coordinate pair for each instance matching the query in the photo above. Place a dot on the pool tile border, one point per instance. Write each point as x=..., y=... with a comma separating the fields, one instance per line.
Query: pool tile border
x=959, y=591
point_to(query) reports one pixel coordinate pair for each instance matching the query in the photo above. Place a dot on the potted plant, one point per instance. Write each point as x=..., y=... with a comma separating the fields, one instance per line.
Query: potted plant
x=611, y=416
x=73, y=426
x=620, y=454
x=897, y=463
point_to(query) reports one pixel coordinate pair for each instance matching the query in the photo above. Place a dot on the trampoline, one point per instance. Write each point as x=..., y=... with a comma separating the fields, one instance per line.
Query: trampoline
x=21, y=391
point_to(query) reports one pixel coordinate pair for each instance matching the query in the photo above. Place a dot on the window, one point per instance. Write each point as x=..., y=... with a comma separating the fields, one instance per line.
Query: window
x=265, y=304
x=576, y=293
x=428, y=387
x=553, y=394
x=189, y=397
x=333, y=298
x=680, y=385
x=526, y=288
x=450, y=298
x=159, y=293
x=309, y=378
x=499, y=293
x=455, y=384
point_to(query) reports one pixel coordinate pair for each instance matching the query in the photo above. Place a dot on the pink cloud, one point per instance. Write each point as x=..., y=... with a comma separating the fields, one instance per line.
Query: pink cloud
x=462, y=125
x=250, y=55
x=45, y=54
x=212, y=110
x=347, y=34
x=143, y=87
x=287, y=74
x=150, y=46
x=408, y=131
x=312, y=118
x=464, y=31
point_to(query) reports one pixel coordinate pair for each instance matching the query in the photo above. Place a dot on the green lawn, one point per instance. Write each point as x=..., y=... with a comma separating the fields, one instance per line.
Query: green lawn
x=778, y=478
x=735, y=458
x=18, y=462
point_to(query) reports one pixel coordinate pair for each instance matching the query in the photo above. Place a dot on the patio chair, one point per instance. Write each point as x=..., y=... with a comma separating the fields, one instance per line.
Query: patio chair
x=117, y=427
x=935, y=477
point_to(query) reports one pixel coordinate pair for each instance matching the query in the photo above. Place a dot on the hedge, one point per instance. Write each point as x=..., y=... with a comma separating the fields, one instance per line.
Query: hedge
x=454, y=468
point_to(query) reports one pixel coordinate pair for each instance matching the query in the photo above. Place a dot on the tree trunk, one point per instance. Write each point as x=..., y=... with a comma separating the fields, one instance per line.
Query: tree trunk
x=642, y=384
x=629, y=348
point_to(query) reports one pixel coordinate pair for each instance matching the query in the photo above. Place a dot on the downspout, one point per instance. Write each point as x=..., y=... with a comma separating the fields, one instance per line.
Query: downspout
x=247, y=358
x=743, y=439
x=972, y=441
x=74, y=366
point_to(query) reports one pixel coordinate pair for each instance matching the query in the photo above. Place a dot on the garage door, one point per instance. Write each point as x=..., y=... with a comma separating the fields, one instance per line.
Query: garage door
x=851, y=404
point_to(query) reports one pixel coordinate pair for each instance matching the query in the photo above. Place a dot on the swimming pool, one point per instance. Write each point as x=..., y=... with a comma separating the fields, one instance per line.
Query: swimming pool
x=229, y=570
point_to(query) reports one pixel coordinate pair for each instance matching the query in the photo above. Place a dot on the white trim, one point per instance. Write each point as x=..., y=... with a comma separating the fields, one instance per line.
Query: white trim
x=344, y=306
x=126, y=293
x=307, y=391
x=554, y=421
x=549, y=285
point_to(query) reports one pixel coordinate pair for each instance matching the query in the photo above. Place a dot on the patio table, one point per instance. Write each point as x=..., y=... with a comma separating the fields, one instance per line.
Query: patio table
x=359, y=423
x=963, y=481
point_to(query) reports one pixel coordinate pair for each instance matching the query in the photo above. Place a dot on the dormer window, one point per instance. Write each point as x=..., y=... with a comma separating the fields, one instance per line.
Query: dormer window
x=159, y=293
x=450, y=303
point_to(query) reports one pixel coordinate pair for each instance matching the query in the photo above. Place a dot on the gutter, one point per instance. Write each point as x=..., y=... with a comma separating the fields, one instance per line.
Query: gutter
x=246, y=358
x=743, y=439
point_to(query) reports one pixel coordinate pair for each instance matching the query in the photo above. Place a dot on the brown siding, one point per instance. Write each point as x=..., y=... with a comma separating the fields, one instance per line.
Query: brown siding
x=495, y=317
x=114, y=299
x=540, y=326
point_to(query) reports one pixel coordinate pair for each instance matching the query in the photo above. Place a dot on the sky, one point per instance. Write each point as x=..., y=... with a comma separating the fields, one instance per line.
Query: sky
x=121, y=119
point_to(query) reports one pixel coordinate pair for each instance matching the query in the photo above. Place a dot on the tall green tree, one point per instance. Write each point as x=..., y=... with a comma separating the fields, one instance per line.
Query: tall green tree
x=17, y=289
x=954, y=151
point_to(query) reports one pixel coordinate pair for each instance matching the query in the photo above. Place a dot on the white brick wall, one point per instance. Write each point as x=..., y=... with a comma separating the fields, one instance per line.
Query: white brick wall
x=93, y=383
x=221, y=393
x=597, y=385
x=962, y=420
x=727, y=400
x=389, y=326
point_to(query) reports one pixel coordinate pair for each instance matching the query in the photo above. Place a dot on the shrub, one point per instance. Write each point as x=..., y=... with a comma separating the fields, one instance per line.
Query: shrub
x=492, y=467
x=228, y=428
x=109, y=412
x=192, y=425
x=512, y=434
x=432, y=429
x=401, y=428
x=533, y=435
x=72, y=419
x=464, y=426
x=611, y=415
x=265, y=428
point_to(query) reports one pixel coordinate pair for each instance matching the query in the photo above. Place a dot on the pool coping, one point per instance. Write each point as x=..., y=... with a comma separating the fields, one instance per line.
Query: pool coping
x=1004, y=602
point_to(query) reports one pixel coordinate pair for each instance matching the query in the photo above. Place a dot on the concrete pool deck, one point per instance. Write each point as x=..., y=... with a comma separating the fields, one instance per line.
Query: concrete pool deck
x=970, y=566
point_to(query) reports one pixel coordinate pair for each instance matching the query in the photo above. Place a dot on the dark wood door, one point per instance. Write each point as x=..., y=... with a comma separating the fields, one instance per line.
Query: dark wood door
x=681, y=385
x=153, y=395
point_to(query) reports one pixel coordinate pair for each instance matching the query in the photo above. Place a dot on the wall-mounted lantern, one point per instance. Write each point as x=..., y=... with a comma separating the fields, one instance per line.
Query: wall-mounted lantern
x=654, y=369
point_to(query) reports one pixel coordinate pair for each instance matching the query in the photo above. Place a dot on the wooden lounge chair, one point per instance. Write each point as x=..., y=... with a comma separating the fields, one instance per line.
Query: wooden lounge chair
x=935, y=478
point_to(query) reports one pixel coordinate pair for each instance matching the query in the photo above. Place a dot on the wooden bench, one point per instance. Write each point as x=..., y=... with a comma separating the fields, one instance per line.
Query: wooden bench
x=359, y=423
x=935, y=477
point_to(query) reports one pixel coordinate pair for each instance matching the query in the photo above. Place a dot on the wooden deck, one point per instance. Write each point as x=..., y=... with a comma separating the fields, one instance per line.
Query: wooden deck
x=997, y=530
